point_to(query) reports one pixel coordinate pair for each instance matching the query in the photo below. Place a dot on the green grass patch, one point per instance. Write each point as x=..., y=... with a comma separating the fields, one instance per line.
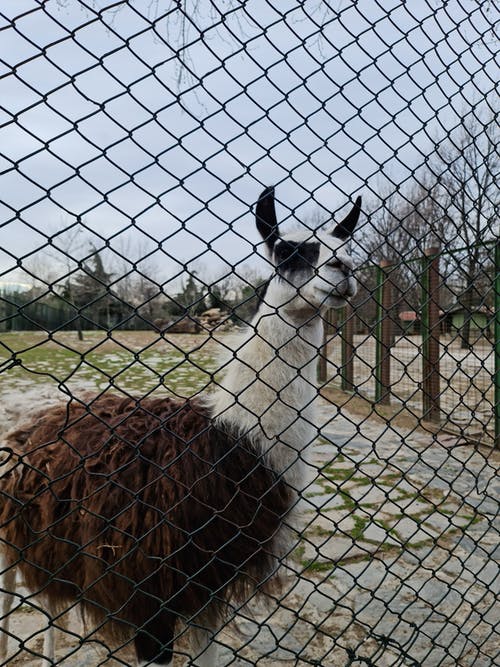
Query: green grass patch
x=472, y=518
x=385, y=525
x=360, y=524
x=349, y=502
x=362, y=481
x=389, y=479
x=406, y=495
x=338, y=474
x=326, y=489
x=132, y=362
x=318, y=565
x=298, y=553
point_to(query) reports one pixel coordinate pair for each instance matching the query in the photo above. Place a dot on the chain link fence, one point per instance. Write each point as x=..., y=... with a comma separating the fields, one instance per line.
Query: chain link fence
x=188, y=474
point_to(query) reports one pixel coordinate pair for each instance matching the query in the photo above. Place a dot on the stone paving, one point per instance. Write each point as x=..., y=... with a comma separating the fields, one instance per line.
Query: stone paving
x=397, y=564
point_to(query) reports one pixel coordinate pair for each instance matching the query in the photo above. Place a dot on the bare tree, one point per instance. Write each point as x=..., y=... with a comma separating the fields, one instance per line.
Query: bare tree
x=68, y=241
x=466, y=167
x=400, y=224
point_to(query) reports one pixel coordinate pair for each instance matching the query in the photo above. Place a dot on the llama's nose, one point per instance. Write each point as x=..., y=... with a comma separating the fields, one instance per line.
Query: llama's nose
x=346, y=270
x=343, y=267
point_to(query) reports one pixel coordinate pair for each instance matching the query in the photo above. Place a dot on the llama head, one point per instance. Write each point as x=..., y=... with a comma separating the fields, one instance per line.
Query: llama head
x=312, y=269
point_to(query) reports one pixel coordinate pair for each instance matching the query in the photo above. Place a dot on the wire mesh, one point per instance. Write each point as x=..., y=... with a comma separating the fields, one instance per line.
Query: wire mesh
x=141, y=492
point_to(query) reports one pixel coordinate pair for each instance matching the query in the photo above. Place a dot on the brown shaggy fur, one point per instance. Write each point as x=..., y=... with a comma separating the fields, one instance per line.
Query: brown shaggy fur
x=129, y=506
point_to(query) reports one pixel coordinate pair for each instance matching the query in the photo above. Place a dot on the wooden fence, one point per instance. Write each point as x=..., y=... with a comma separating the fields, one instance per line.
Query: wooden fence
x=436, y=376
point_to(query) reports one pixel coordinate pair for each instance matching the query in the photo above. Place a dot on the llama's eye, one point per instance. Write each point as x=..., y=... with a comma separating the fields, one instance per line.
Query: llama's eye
x=295, y=256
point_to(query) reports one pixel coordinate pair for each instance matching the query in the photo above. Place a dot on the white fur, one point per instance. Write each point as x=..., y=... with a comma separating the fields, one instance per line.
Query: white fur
x=269, y=386
x=205, y=649
x=266, y=397
x=8, y=589
x=48, y=647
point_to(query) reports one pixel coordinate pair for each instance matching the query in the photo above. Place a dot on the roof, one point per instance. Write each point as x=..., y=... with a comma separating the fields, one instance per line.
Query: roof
x=482, y=310
x=412, y=316
x=408, y=316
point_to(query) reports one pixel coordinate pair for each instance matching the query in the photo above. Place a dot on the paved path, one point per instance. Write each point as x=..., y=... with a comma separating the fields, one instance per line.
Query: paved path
x=399, y=561
x=397, y=565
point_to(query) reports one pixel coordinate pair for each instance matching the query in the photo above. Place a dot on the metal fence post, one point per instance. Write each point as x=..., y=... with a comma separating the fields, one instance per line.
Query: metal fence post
x=430, y=335
x=497, y=344
x=328, y=331
x=321, y=368
x=383, y=331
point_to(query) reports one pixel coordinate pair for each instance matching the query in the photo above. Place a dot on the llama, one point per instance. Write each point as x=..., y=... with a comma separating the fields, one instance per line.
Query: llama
x=157, y=511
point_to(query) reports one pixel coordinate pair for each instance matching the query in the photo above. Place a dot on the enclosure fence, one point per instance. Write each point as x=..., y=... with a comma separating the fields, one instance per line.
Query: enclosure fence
x=158, y=502
x=421, y=360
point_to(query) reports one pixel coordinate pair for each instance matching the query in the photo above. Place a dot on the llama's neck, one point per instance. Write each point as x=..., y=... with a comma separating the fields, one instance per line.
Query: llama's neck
x=269, y=387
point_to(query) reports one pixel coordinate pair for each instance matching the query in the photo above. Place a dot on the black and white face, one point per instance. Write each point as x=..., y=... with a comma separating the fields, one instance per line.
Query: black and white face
x=316, y=266
x=311, y=267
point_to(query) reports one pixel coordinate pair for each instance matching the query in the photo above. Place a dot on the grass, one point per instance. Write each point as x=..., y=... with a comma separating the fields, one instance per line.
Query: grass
x=319, y=565
x=183, y=365
x=127, y=361
x=338, y=474
x=360, y=524
x=349, y=502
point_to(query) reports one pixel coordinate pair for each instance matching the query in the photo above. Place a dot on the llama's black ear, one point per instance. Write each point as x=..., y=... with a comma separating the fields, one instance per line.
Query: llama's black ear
x=265, y=214
x=345, y=228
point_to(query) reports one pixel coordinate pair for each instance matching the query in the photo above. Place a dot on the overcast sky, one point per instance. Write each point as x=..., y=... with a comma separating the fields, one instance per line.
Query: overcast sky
x=157, y=129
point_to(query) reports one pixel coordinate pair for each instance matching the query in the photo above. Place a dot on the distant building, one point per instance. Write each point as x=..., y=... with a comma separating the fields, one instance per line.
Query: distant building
x=481, y=320
x=410, y=321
